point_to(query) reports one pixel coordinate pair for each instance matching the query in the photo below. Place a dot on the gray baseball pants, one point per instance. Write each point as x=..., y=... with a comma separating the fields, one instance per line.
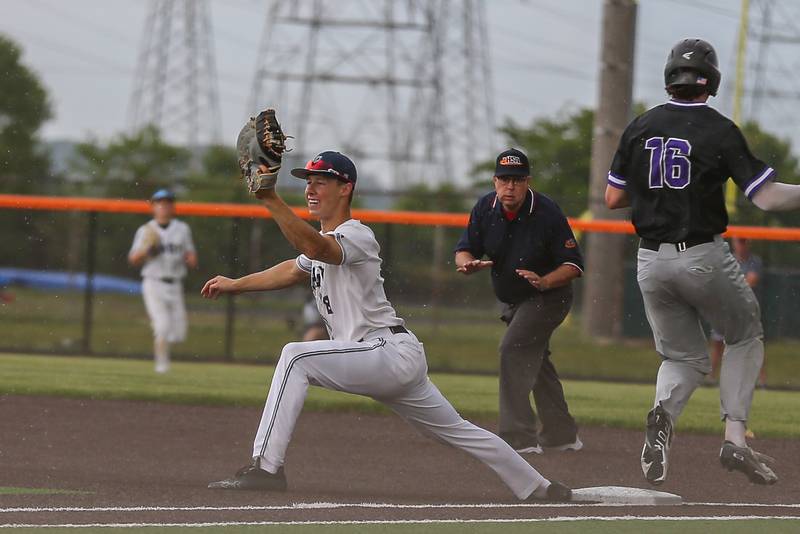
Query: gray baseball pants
x=680, y=288
x=525, y=367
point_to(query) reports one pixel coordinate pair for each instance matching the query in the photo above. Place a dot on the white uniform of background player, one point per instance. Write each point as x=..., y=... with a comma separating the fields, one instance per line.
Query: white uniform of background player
x=370, y=352
x=163, y=271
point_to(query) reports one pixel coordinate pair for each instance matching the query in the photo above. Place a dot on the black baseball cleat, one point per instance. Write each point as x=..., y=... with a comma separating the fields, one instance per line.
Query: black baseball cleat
x=251, y=477
x=556, y=492
x=657, y=440
x=751, y=463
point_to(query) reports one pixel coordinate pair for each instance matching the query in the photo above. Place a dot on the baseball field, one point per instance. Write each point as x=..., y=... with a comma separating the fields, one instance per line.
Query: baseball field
x=102, y=443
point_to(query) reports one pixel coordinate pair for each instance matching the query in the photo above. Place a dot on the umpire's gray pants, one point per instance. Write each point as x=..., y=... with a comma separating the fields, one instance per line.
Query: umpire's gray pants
x=525, y=367
x=680, y=288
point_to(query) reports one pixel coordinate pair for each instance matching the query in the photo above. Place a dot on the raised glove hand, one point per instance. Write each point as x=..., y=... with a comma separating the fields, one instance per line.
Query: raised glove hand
x=261, y=145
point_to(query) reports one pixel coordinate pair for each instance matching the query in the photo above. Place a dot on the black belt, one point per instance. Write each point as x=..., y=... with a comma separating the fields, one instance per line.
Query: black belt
x=651, y=244
x=393, y=330
x=168, y=280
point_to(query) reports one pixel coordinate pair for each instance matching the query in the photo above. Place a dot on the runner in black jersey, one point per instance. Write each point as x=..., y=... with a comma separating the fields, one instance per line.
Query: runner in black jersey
x=671, y=168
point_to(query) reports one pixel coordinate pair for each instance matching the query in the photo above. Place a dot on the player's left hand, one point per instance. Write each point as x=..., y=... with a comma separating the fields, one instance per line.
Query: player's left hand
x=218, y=286
x=260, y=146
x=534, y=279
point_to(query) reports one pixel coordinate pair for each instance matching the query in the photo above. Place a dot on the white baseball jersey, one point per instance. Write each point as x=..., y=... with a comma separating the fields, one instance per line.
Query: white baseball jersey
x=176, y=239
x=350, y=296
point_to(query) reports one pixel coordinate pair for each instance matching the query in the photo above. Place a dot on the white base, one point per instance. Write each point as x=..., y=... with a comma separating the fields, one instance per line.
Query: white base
x=623, y=495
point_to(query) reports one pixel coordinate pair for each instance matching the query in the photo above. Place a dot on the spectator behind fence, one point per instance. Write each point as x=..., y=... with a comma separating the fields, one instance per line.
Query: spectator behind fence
x=533, y=257
x=163, y=247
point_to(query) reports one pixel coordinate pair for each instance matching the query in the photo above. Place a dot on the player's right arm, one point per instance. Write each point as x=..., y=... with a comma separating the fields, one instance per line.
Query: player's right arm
x=285, y=274
x=616, y=198
x=138, y=254
x=616, y=195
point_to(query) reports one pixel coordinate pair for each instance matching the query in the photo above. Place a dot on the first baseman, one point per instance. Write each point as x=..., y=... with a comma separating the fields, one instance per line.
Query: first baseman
x=164, y=248
x=671, y=166
x=370, y=351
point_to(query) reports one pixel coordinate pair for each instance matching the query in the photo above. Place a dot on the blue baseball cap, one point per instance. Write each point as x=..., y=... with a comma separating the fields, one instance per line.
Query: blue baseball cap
x=329, y=162
x=163, y=194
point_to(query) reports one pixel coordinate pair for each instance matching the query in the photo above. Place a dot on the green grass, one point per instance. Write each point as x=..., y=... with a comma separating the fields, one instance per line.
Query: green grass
x=767, y=526
x=456, y=339
x=595, y=403
x=10, y=490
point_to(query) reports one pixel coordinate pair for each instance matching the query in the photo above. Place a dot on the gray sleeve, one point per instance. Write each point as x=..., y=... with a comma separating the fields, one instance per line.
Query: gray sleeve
x=189, y=241
x=358, y=244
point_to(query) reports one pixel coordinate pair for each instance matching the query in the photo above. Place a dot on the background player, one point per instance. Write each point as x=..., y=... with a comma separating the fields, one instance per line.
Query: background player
x=370, y=352
x=752, y=267
x=163, y=247
x=534, y=258
x=671, y=165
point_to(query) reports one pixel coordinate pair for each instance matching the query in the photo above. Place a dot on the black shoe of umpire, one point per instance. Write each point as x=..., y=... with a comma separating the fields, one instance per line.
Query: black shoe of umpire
x=252, y=477
x=657, y=441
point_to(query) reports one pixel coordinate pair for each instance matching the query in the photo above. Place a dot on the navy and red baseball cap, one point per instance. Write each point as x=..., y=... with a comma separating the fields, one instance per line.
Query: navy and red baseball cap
x=512, y=162
x=329, y=162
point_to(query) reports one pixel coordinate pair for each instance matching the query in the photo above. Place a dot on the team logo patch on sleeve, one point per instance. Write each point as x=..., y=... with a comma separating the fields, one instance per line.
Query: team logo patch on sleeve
x=570, y=243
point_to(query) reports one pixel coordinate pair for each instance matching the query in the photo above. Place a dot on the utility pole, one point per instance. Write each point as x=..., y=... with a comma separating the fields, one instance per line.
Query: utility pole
x=603, y=288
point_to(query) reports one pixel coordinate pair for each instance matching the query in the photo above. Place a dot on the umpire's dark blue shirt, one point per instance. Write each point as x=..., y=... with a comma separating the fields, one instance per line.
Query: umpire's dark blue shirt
x=538, y=239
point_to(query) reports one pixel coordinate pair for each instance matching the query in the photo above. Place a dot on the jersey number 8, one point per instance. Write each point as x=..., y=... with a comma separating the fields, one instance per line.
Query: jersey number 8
x=669, y=162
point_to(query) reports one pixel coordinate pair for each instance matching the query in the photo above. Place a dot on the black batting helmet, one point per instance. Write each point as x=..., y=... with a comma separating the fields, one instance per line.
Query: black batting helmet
x=693, y=62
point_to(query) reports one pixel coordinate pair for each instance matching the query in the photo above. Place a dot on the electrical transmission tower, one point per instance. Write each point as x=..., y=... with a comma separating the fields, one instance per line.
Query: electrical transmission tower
x=403, y=86
x=176, y=81
x=775, y=83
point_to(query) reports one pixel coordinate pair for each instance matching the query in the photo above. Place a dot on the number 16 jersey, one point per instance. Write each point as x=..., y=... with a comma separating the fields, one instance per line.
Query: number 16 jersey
x=673, y=161
x=350, y=297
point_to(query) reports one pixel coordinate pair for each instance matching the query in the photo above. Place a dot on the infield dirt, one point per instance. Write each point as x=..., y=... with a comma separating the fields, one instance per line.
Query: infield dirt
x=145, y=454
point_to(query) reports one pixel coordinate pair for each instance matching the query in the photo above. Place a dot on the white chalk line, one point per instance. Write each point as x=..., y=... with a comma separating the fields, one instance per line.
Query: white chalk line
x=403, y=521
x=366, y=505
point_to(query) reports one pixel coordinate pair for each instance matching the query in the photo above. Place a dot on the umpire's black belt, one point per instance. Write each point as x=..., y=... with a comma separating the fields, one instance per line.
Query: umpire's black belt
x=651, y=244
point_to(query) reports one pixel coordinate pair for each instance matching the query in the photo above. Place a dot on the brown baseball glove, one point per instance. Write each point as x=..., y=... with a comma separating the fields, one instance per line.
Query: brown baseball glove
x=261, y=142
x=151, y=241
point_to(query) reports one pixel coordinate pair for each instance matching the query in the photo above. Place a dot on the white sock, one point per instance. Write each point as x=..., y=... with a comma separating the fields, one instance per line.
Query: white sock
x=541, y=491
x=735, y=432
x=161, y=349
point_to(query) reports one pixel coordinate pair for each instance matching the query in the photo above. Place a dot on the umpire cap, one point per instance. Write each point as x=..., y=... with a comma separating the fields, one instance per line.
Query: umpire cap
x=512, y=162
x=693, y=62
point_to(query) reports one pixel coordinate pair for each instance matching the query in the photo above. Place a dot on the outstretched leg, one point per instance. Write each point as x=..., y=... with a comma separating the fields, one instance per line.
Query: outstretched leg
x=427, y=409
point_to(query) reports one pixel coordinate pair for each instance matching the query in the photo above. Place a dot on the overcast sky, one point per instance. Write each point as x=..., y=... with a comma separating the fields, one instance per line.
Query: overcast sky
x=544, y=55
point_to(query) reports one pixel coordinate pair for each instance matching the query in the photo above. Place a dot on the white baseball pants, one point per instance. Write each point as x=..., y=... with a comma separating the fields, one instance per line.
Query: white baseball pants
x=390, y=368
x=166, y=309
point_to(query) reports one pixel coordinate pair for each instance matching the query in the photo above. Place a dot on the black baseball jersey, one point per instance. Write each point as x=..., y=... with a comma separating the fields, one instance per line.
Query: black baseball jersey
x=538, y=239
x=673, y=162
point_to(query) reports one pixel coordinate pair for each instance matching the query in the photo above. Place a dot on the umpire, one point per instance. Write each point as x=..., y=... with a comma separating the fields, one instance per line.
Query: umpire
x=533, y=258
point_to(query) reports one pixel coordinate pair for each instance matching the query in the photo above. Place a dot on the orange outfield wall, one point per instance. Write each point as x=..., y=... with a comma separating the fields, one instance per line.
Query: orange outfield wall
x=418, y=218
